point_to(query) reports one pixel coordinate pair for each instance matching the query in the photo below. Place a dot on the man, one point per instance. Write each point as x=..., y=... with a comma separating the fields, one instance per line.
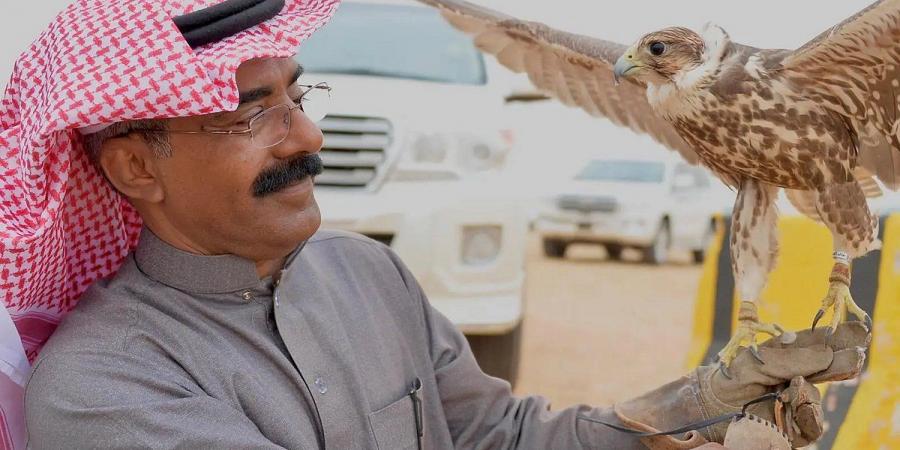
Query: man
x=235, y=323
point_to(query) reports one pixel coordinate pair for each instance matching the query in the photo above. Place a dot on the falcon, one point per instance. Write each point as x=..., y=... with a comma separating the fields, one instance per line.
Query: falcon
x=820, y=122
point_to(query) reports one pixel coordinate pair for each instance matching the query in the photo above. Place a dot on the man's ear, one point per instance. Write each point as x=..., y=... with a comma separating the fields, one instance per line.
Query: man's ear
x=131, y=166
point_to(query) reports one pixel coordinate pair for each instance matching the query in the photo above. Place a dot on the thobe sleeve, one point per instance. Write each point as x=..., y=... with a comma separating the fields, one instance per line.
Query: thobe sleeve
x=133, y=407
x=482, y=412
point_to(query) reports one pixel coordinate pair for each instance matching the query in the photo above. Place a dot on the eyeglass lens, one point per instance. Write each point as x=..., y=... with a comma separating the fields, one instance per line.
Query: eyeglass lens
x=272, y=127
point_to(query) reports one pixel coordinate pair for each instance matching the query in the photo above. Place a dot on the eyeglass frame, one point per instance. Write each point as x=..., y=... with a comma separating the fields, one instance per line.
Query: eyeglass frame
x=249, y=129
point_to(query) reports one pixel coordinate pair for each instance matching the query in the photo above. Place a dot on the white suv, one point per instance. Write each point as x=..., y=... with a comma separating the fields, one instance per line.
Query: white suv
x=413, y=144
x=652, y=203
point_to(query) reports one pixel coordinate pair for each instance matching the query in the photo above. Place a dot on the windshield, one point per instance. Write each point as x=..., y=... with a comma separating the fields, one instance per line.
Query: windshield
x=629, y=171
x=393, y=41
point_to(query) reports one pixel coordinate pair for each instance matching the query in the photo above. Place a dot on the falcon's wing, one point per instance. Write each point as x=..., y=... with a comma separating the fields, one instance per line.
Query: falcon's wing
x=805, y=201
x=577, y=70
x=854, y=68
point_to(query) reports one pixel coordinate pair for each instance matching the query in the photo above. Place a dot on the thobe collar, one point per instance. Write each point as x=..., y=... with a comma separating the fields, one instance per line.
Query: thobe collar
x=199, y=274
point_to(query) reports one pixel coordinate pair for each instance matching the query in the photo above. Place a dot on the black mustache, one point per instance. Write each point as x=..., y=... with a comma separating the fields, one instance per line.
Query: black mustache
x=287, y=173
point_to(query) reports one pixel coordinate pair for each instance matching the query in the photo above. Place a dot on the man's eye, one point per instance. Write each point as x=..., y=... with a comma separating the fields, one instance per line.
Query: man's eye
x=245, y=119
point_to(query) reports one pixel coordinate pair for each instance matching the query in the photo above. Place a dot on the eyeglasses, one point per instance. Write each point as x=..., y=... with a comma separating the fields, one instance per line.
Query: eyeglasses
x=271, y=126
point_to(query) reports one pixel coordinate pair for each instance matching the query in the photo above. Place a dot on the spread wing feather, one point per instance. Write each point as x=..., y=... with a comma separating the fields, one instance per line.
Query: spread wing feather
x=854, y=68
x=575, y=69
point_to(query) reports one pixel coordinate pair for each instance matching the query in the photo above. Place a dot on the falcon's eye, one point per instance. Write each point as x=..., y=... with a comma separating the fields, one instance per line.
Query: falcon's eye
x=657, y=48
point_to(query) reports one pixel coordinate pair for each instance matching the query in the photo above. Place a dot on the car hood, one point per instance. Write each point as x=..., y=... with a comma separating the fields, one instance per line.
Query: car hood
x=410, y=100
x=619, y=191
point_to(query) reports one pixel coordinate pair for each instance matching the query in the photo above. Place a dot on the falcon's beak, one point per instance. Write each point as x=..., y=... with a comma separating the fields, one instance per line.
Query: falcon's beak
x=625, y=64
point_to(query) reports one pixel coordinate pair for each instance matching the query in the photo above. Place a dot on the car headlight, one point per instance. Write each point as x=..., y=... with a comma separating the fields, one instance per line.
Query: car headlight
x=429, y=149
x=481, y=244
x=443, y=156
x=476, y=155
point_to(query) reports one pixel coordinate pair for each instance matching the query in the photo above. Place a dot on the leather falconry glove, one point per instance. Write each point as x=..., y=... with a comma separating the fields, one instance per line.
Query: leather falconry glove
x=790, y=367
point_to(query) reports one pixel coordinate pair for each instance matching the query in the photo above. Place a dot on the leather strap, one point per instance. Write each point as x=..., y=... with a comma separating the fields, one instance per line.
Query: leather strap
x=690, y=427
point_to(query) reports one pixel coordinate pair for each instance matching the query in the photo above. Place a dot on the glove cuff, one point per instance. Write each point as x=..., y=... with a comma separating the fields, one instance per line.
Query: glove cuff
x=692, y=439
x=669, y=407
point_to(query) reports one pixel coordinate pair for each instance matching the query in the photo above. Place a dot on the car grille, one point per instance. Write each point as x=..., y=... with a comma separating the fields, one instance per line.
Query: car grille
x=355, y=149
x=586, y=204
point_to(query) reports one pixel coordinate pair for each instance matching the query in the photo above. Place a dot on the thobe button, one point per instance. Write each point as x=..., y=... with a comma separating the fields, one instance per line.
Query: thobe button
x=321, y=385
x=246, y=295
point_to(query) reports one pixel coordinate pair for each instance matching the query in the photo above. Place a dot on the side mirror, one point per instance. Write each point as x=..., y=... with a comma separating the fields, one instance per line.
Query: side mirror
x=520, y=89
x=527, y=95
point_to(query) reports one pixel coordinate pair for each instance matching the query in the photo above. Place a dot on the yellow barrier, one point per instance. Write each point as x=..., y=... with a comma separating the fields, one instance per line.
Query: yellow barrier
x=861, y=414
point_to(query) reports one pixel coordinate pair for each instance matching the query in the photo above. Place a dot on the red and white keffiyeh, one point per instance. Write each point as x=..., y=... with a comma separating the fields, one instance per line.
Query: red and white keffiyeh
x=62, y=226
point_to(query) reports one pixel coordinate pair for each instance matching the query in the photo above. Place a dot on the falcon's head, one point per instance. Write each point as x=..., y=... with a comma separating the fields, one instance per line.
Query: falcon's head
x=663, y=56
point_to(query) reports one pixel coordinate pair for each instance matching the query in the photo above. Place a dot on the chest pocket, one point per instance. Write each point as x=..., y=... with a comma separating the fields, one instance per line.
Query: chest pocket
x=400, y=425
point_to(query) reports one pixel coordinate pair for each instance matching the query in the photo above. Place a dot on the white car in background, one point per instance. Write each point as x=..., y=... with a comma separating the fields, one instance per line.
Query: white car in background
x=414, y=142
x=654, y=204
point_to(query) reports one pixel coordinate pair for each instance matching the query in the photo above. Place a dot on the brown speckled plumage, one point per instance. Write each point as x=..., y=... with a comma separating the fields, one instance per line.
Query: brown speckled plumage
x=820, y=122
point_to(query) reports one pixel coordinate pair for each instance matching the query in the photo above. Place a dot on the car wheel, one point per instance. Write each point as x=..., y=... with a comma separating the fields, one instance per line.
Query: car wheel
x=555, y=248
x=614, y=251
x=699, y=254
x=658, y=251
x=498, y=355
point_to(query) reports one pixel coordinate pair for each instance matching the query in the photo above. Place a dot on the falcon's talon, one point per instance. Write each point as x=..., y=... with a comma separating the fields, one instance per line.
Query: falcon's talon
x=819, y=315
x=754, y=350
x=840, y=300
x=724, y=369
x=748, y=328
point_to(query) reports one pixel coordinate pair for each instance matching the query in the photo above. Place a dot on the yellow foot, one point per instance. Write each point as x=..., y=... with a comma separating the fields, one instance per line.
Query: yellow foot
x=748, y=327
x=841, y=301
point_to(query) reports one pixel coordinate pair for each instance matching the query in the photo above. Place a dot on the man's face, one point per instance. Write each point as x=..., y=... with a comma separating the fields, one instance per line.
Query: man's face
x=225, y=195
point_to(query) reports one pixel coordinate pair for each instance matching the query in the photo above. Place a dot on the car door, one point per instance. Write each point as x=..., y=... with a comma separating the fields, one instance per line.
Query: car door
x=690, y=214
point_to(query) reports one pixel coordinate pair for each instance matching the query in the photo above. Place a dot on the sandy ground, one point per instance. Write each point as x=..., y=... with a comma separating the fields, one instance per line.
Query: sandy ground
x=598, y=331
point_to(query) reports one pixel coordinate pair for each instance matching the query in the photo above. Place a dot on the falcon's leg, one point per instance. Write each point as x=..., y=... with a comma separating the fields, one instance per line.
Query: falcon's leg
x=854, y=230
x=754, y=248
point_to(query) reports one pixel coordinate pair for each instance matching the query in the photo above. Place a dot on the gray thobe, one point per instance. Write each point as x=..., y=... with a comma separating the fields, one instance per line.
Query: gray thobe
x=342, y=352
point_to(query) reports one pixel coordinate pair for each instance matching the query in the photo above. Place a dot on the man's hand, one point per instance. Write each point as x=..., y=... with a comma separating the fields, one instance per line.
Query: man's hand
x=707, y=393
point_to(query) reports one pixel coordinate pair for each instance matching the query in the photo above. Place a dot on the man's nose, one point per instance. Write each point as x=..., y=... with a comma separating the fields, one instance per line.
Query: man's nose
x=303, y=137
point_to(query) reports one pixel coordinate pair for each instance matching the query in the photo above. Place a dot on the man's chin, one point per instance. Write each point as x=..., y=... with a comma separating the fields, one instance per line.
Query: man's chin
x=309, y=219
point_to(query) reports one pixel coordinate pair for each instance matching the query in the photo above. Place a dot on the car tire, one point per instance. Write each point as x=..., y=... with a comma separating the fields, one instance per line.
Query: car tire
x=658, y=251
x=614, y=251
x=699, y=255
x=498, y=355
x=555, y=248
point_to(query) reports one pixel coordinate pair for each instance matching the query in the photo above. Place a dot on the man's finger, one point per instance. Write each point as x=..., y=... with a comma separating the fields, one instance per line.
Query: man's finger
x=803, y=412
x=808, y=419
x=847, y=335
x=846, y=364
x=786, y=363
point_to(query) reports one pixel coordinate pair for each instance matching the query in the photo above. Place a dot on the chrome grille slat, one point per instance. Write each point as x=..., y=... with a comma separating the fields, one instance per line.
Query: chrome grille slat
x=356, y=141
x=587, y=204
x=339, y=124
x=354, y=151
x=347, y=178
x=332, y=158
